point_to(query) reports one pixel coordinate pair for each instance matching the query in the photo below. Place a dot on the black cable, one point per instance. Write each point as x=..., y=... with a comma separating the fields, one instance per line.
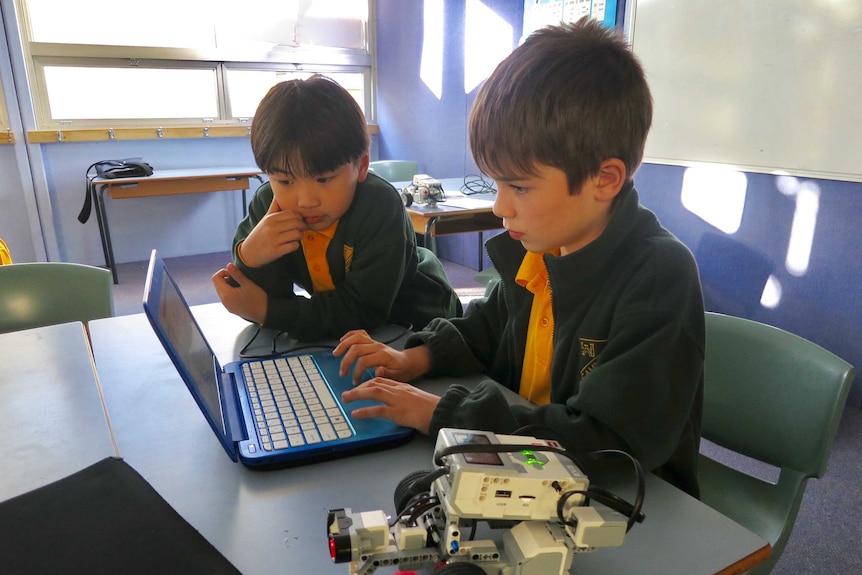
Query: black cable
x=418, y=510
x=319, y=344
x=418, y=505
x=473, y=524
x=476, y=184
x=635, y=513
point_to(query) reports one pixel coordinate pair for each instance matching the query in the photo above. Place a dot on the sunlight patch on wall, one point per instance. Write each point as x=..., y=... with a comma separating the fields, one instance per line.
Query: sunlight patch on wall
x=488, y=39
x=716, y=194
x=807, y=195
x=431, y=66
x=771, y=296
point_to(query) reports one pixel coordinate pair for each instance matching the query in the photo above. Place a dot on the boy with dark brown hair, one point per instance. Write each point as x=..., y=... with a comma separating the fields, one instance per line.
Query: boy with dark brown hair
x=325, y=223
x=598, y=316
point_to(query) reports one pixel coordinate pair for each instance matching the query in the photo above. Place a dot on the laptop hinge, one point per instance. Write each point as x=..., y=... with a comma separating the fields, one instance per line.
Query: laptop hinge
x=231, y=409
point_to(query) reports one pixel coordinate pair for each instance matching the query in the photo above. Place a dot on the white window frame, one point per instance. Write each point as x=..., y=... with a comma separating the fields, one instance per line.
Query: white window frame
x=38, y=55
x=5, y=126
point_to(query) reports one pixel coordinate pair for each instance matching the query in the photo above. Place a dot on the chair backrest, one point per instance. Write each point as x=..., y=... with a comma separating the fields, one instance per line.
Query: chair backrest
x=774, y=397
x=46, y=293
x=395, y=170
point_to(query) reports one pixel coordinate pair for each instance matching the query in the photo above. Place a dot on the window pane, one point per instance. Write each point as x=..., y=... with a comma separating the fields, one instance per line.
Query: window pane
x=246, y=88
x=160, y=23
x=200, y=24
x=107, y=93
x=293, y=23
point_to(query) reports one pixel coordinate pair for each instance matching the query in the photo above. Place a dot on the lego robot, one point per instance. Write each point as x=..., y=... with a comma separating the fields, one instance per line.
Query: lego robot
x=531, y=487
x=423, y=190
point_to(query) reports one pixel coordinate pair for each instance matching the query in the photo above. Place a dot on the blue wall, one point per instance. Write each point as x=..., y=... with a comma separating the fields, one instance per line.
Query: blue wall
x=414, y=124
x=176, y=225
x=822, y=305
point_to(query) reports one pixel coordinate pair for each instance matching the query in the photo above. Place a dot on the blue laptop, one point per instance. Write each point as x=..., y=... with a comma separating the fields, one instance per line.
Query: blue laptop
x=267, y=412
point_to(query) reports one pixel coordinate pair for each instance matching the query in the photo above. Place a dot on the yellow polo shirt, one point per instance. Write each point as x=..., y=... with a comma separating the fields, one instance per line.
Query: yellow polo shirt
x=5, y=254
x=536, y=375
x=314, y=246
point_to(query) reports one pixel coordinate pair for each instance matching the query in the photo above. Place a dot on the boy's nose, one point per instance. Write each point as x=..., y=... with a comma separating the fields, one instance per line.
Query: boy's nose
x=306, y=198
x=502, y=208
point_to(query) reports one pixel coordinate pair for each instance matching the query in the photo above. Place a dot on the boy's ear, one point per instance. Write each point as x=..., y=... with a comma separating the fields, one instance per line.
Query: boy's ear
x=363, y=168
x=610, y=179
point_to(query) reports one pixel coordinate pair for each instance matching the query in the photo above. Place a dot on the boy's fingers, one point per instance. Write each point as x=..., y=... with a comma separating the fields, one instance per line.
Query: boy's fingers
x=233, y=270
x=273, y=207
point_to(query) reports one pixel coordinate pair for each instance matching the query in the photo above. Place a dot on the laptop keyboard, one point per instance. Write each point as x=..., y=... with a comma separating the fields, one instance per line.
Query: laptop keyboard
x=292, y=404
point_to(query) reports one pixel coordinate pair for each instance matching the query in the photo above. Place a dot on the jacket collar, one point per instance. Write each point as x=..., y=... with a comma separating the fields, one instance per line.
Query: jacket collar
x=506, y=254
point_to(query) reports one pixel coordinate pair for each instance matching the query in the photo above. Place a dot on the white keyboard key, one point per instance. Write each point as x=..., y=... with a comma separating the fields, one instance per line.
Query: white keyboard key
x=296, y=440
x=327, y=432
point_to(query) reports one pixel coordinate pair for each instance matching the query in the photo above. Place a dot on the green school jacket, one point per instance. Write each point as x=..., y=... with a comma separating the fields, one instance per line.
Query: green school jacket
x=629, y=337
x=380, y=274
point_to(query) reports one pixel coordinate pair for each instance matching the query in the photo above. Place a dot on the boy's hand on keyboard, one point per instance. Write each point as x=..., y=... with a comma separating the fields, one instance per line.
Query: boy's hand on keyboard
x=357, y=346
x=402, y=403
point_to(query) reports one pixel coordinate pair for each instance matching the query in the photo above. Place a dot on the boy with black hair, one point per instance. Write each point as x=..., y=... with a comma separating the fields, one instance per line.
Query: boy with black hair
x=598, y=316
x=325, y=223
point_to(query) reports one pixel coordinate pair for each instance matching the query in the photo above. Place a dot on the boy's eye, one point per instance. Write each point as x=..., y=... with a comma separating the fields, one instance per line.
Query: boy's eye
x=323, y=179
x=518, y=189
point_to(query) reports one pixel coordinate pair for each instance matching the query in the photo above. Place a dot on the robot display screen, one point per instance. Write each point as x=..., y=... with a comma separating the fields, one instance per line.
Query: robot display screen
x=478, y=458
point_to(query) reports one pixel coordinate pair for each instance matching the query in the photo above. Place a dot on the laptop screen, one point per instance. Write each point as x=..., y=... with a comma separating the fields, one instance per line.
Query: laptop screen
x=185, y=338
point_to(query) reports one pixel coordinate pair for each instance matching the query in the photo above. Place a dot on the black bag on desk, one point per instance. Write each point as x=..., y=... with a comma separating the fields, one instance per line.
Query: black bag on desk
x=109, y=169
x=105, y=519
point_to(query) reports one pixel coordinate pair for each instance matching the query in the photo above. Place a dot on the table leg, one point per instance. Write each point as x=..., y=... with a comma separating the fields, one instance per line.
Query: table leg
x=104, y=232
x=245, y=201
x=428, y=240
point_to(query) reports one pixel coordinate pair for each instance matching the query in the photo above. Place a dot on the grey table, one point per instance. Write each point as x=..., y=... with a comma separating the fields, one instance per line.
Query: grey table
x=274, y=521
x=52, y=418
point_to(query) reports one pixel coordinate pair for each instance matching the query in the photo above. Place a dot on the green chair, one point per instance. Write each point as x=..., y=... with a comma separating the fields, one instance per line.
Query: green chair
x=46, y=293
x=773, y=397
x=395, y=170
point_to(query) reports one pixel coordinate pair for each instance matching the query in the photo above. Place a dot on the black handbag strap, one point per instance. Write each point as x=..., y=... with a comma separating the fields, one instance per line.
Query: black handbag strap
x=132, y=167
x=89, y=192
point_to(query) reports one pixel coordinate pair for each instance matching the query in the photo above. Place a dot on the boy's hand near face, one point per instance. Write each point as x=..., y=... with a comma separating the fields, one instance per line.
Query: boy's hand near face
x=277, y=234
x=240, y=295
x=358, y=346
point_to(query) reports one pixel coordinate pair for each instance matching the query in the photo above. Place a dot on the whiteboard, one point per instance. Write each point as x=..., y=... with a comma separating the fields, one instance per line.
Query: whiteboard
x=763, y=85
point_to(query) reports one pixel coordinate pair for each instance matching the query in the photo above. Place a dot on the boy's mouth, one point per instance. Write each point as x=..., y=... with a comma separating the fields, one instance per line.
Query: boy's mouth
x=312, y=219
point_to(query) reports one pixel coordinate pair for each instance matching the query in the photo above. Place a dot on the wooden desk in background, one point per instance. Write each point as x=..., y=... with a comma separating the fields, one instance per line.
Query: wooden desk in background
x=459, y=214
x=166, y=183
